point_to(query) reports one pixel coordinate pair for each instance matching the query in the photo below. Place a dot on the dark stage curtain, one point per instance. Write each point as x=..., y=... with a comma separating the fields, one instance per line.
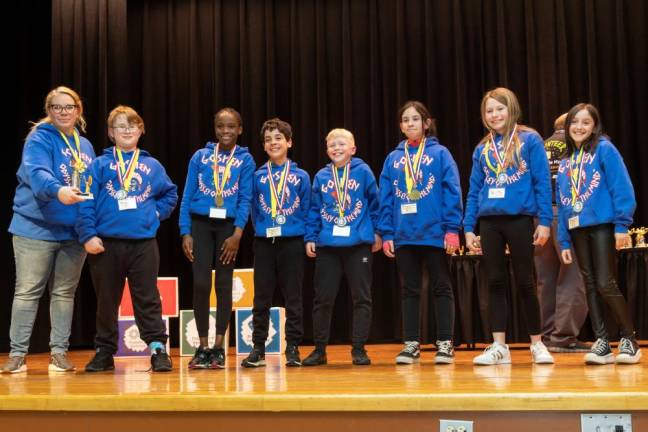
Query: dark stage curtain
x=346, y=63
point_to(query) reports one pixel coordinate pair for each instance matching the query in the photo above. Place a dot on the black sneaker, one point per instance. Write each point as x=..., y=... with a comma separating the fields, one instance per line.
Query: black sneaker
x=101, y=362
x=160, y=361
x=217, y=358
x=600, y=353
x=629, y=352
x=292, y=356
x=445, y=352
x=316, y=358
x=201, y=359
x=359, y=357
x=410, y=353
x=255, y=359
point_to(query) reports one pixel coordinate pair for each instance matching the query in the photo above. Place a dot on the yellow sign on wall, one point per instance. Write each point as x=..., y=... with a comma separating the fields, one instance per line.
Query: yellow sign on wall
x=242, y=289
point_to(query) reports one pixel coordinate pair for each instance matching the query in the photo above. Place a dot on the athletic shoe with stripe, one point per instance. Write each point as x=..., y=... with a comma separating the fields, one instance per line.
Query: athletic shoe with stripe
x=410, y=353
x=494, y=354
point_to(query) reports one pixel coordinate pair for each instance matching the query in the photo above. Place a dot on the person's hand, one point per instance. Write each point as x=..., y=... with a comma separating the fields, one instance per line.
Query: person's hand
x=94, y=246
x=310, y=249
x=622, y=240
x=68, y=196
x=187, y=246
x=388, y=248
x=230, y=247
x=451, y=243
x=472, y=243
x=541, y=235
x=566, y=256
x=377, y=245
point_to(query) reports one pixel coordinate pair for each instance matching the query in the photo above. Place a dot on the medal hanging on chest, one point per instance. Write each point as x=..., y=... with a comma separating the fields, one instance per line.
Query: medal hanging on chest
x=278, y=192
x=220, y=179
x=125, y=174
x=413, y=171
x=341, y=191
x=576, y=180
x=499, y=169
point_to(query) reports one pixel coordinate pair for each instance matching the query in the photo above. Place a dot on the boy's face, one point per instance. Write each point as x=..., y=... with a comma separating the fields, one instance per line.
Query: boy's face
x=340, y=150
x=124, y=134
x=275, y=144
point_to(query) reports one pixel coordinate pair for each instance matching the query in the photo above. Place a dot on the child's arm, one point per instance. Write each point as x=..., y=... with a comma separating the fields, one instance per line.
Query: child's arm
x=452, y=204
x=313, y=220
x=167, y=198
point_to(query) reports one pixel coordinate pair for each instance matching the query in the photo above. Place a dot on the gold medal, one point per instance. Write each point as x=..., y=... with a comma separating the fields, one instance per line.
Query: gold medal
x=414, y=195
x=219, y=201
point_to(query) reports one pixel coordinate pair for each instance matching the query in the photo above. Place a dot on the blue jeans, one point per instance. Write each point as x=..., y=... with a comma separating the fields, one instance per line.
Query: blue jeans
x=39, y=263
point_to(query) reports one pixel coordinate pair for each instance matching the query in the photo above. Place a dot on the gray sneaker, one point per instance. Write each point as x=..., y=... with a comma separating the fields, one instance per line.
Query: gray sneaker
x=59, y=362
x=15, y=365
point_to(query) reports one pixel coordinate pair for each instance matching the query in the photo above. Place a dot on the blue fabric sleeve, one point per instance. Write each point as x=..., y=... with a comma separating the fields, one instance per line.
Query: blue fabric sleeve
x=244, y=202
x=191, y=185
x=620, y=187
x=451, y=187
x=313, y=220
x=386, y=220
x=476, y=184
x=541, y=177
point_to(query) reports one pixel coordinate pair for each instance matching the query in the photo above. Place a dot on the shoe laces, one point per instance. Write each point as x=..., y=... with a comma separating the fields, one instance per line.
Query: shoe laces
x=444, y=346
x=626, y=346
x=495, y=350
x=291, y=349
x=601, y=347
x=411, y=347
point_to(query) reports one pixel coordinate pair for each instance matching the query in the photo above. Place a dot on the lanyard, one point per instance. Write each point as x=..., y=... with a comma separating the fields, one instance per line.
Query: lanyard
x=125, y=174
x=278, y=189
x=341, y=188
x=413, y=169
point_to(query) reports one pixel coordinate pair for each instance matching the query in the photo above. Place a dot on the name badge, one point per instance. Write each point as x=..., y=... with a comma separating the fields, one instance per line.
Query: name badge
x=339, y=231
x=548, y=155
x=128, y=203
x=273, y=232
x=217, y=213
x=573, y=222
x=408, y=208
x=496, y=193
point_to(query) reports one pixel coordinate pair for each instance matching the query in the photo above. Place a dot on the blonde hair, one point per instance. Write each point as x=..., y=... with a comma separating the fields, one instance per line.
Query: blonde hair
x=559, y=123
x=507, y=98
x=131, y=116
x=340, y=133
x=81, y=122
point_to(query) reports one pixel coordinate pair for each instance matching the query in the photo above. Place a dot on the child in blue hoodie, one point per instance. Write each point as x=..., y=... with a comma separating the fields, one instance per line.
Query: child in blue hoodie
x=596, y=202
x=420, y=217
x=341, y=235
x=281, y=202
x=510, y=183
x=132, y=194
x=214, y=210
x=55, y=157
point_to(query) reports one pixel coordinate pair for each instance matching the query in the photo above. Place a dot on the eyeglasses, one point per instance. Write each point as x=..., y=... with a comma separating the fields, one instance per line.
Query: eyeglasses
x=58, y=109
x=123, y=129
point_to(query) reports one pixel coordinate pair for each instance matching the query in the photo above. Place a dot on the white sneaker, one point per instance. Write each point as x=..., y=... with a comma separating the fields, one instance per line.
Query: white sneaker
x=494, y=354
x=540, y=354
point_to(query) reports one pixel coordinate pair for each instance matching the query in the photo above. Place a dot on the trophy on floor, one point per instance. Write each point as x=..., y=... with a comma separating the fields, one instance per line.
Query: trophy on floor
x=640, y=236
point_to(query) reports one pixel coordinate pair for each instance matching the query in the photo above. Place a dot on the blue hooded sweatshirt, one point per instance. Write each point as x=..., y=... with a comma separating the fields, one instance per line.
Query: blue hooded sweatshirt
x=46, y=166
x=606, y=192
x=361, y=207
x=296, y=204
x=440, y=208
x=527, y=188
x=200, y=193
x=156, y=197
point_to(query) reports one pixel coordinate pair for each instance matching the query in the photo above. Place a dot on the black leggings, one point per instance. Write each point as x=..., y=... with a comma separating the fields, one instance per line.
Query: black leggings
x=516, y=231
x=410, y=260
x=595, y=252
x=208, y=237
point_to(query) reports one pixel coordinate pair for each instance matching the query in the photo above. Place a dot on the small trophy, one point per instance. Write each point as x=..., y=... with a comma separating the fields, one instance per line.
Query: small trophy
x=640, y=239
x=76, y=184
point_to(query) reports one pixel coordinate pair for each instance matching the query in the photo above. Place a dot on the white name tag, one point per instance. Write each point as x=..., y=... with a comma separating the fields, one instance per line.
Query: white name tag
x=573, y=222
x=408, y=208
x=217, y=213
x=128, y=203
x=339, y=231
x=496, y=193
x=548, y=155
x=273, y=232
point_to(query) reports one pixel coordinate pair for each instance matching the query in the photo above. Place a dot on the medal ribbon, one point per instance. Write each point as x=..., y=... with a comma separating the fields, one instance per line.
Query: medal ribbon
x=125, y=175
x=280, y=188
x=339, y=188
x=76, y=155
x=219, y=184
x=499, y=158
x=576, y=177
x=412, y=170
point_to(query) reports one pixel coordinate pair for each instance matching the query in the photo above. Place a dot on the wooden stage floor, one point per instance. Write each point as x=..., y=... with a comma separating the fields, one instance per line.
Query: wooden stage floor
x=339, y=386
